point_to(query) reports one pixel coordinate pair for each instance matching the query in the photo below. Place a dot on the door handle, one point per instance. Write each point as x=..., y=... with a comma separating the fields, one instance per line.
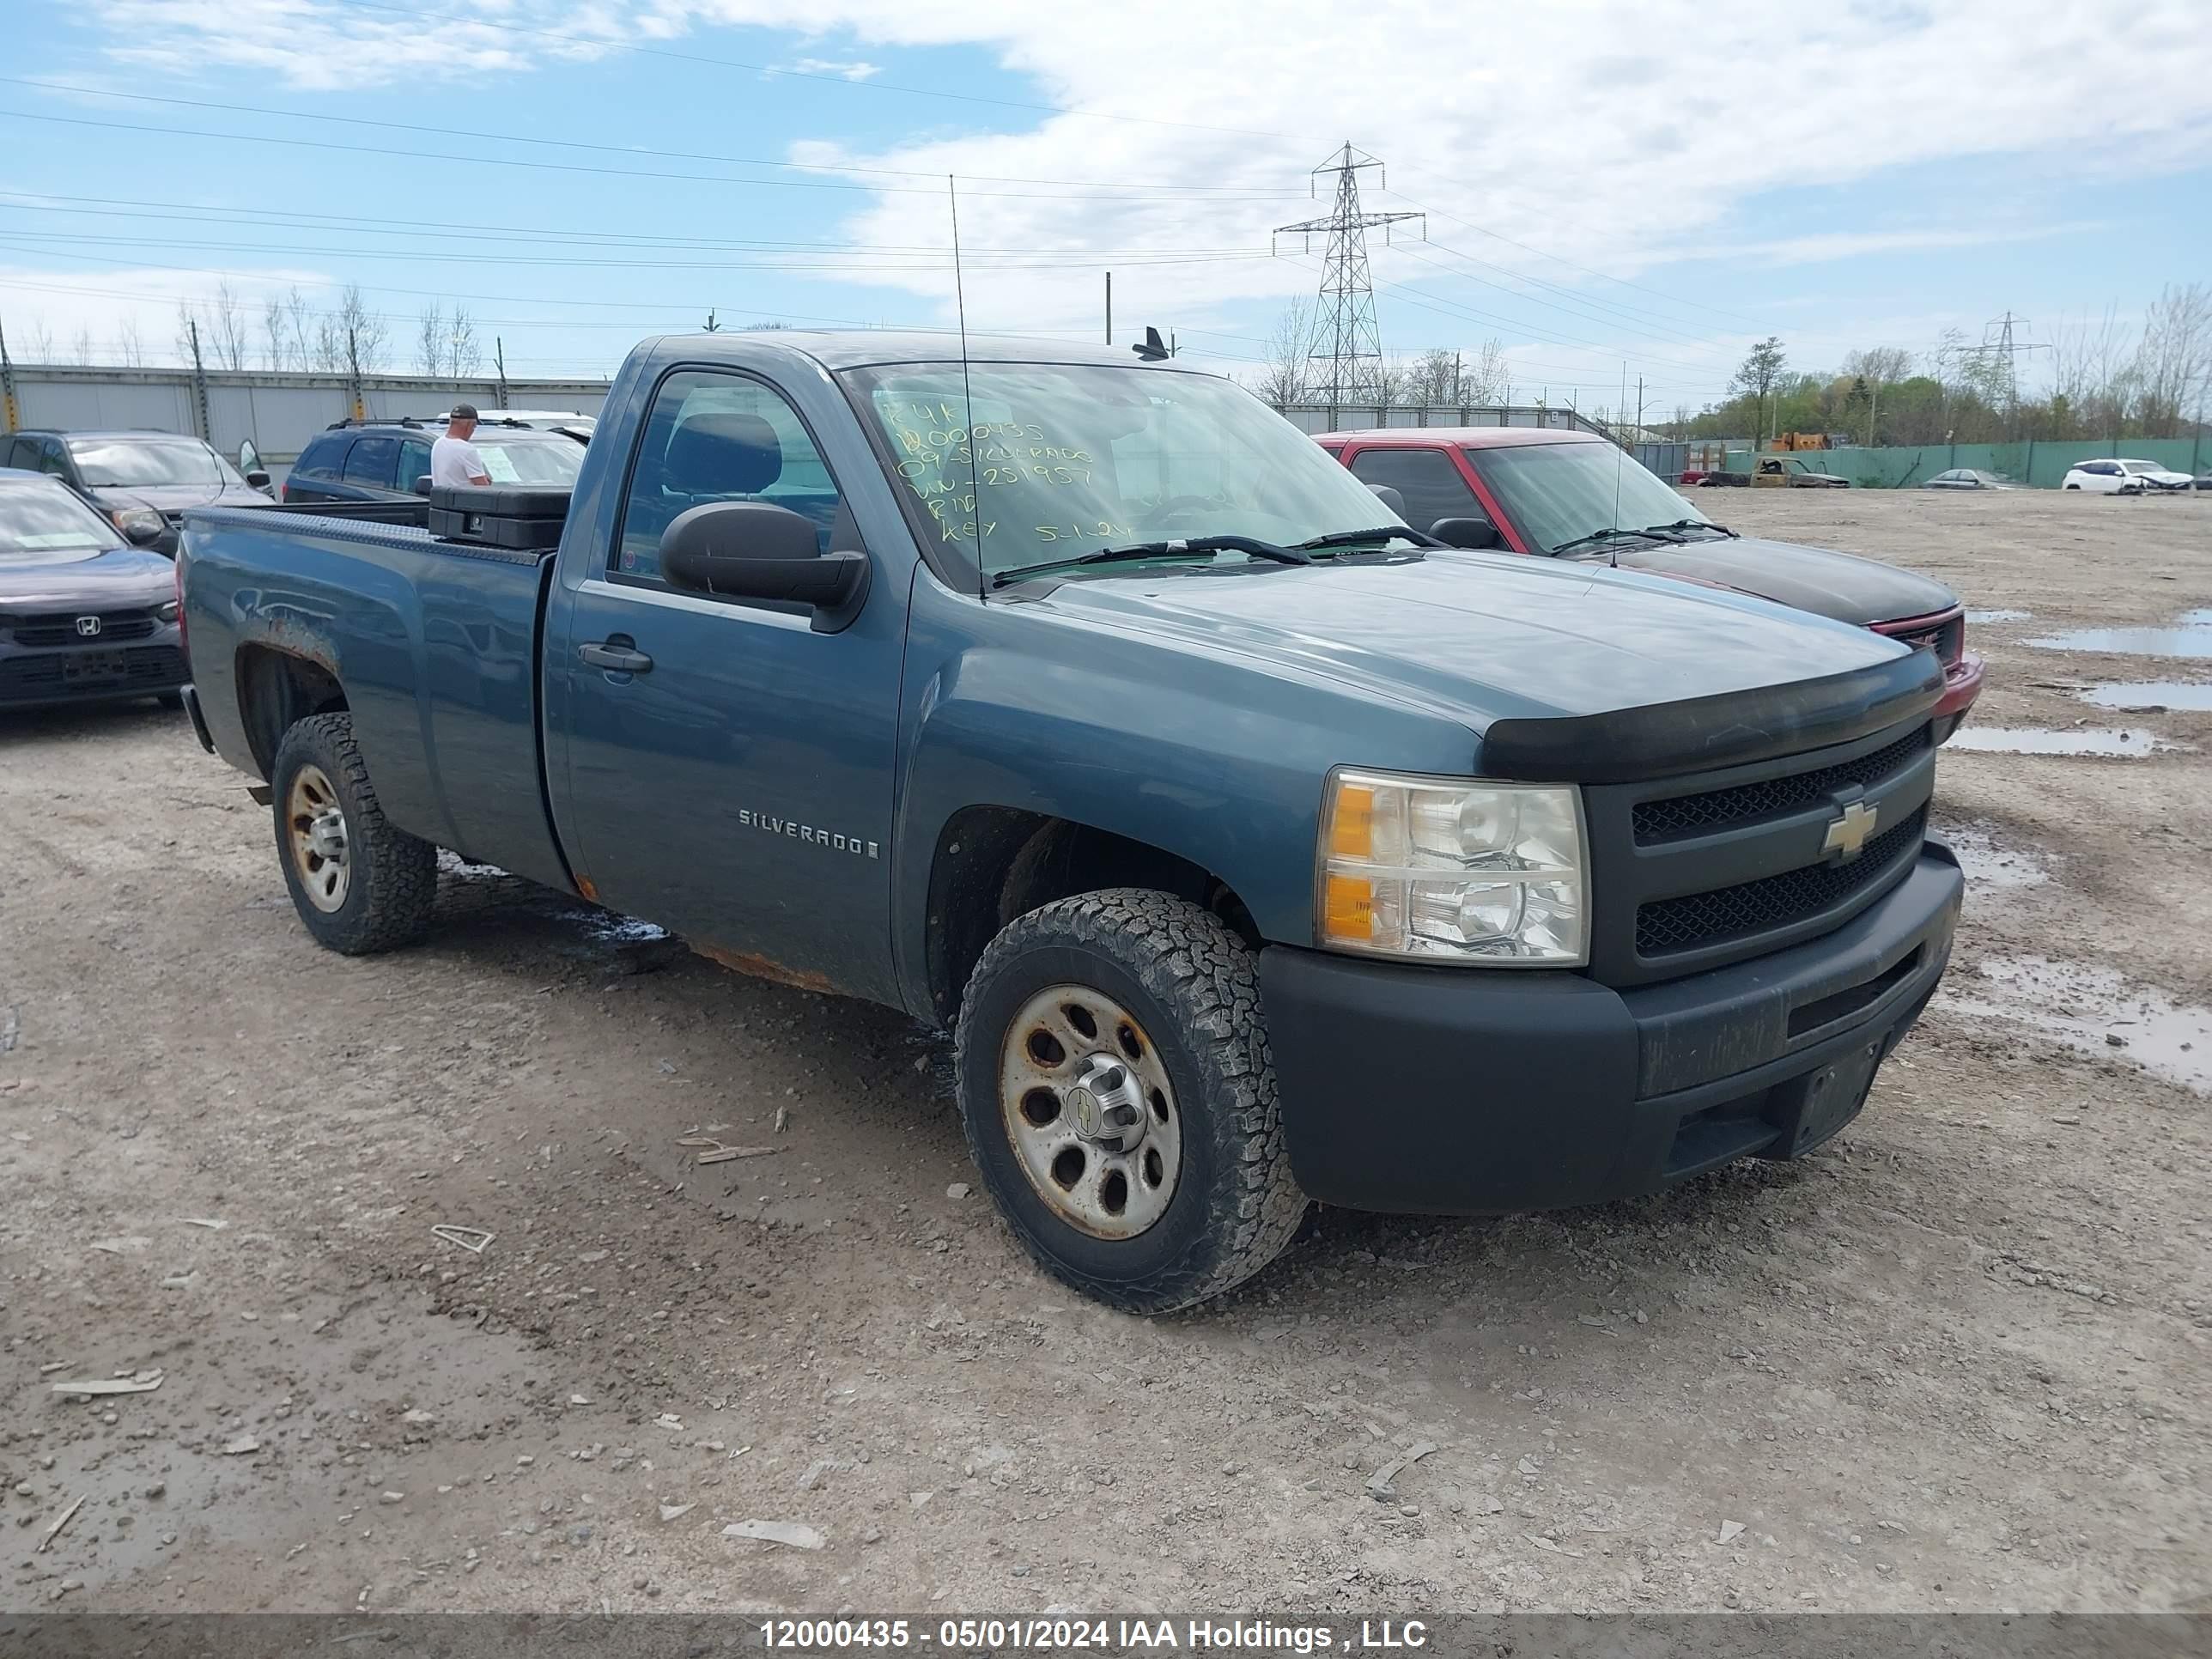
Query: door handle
x=616, y=656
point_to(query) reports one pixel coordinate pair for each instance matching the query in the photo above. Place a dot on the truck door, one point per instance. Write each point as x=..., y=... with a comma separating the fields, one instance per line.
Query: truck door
x=728, y=770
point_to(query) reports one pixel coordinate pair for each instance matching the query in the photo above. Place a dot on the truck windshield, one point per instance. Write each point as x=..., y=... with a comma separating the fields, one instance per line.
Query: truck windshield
x=1069, y=457
x=133, y=463
x=43, y=524
x=1563, y=493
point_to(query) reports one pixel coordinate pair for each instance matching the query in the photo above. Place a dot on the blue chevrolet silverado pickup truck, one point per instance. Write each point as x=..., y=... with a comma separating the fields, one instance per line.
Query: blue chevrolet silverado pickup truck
x=1257, y=849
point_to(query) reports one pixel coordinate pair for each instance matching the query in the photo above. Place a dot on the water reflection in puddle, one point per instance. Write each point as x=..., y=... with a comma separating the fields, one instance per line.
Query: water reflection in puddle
x=1987, y=864
x=2086, y=1008
x=2000, y=616
x=2190, y=635
x=2151, y=694
x=2037, y=740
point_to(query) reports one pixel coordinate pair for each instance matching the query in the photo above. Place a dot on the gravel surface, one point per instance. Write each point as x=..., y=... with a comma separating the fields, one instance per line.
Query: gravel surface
x=1957, y=1360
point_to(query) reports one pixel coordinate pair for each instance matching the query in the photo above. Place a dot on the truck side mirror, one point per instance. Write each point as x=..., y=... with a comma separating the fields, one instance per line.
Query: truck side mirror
x=1465, y=532
x=422, y=485
x=755, y=551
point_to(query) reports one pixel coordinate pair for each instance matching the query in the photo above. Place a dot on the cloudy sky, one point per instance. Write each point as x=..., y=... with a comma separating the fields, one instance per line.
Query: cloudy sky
x=1610, y=186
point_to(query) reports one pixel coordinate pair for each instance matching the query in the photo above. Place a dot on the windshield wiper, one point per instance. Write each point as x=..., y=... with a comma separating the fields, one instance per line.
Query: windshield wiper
x=1354, y=538
x=1598, y=536
x=1207, y=545
x=1691, y=524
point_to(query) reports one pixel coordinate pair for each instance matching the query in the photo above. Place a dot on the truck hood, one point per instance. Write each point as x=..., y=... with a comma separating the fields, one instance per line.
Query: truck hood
x=121, y=577
x=175, y=498
x=1840, y=586
x=1483, y=637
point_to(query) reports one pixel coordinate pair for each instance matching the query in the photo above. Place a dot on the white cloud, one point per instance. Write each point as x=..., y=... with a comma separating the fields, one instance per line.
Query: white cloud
x=1619, y=134
x=843, y=69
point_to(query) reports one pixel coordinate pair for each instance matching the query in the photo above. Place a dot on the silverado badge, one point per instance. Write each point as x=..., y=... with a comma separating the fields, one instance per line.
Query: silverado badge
x=1847, y=836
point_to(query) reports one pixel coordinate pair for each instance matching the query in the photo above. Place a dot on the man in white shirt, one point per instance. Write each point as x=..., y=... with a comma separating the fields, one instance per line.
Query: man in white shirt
x=453, y=458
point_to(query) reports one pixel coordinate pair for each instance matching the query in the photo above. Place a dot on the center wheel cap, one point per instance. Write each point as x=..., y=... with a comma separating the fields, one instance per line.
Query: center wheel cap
x=1107, y=1104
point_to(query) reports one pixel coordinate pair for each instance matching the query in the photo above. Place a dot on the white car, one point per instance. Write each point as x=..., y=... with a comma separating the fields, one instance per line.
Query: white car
x=2102, y=478
x=2156, y=477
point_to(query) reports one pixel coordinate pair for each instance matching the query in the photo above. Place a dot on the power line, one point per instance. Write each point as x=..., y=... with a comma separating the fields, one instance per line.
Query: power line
x=1197, y=191
x=574, y=167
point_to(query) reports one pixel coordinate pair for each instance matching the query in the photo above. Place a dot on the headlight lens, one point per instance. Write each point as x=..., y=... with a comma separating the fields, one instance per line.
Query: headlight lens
x=1442, y=870
x=139, y=520
x=165, y=611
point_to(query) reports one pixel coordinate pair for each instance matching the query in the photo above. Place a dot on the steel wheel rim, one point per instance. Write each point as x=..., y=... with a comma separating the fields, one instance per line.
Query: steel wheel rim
x=315, y=833
x=1058, y=1100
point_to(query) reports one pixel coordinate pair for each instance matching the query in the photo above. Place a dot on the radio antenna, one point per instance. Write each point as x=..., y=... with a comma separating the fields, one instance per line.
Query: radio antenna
x=1619, y=458
x=967, y=394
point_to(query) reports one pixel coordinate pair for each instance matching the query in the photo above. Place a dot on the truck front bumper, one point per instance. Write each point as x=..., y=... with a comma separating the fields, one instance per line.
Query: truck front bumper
x=1467, y=1091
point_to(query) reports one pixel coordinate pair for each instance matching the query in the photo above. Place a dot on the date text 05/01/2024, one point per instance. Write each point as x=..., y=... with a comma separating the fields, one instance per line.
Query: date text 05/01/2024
x=1064, y=1634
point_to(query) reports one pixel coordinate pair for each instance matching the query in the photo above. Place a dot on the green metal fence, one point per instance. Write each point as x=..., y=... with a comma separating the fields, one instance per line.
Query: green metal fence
x=2042, y=464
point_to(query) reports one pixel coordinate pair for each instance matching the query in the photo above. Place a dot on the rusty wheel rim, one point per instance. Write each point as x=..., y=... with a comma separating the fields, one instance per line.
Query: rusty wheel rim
x=1090, y=1112
x=315, y=833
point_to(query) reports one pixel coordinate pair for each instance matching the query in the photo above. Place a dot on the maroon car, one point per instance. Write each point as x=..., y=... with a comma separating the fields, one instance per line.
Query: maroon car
x=1575, y=495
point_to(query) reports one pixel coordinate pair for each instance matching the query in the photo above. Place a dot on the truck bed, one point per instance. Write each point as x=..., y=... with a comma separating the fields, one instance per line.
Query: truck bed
x=436, y=642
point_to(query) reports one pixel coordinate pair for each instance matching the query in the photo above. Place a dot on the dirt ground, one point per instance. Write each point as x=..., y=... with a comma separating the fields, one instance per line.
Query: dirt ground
x=1959, y=1359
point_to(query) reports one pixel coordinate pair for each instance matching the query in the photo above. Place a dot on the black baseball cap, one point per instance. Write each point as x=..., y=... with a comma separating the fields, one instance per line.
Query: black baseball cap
x=463, y=412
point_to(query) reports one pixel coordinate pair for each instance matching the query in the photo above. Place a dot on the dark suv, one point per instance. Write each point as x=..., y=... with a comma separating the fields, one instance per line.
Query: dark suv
x=383, y=460
x=139, y=482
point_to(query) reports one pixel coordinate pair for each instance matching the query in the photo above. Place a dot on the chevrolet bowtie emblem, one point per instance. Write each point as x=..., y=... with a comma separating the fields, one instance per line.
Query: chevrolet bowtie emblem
x=1847, y=836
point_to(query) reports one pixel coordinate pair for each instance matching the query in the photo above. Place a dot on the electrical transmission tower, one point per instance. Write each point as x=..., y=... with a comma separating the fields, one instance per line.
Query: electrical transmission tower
x=1998, y=341
x=1345, y=333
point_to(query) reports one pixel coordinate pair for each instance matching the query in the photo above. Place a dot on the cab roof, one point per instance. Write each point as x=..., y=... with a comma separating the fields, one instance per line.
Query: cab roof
x=867, y=347
x=1461, y=437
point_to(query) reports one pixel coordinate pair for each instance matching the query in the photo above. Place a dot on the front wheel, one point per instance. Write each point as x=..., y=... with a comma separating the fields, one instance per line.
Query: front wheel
x=358, y=884
x=1119, y=1098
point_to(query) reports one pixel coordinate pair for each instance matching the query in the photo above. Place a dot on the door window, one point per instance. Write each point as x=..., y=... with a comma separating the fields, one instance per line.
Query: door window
x=1426, y=478
x=718, y=437
x=53, y=459
x=414, y=462
x=320, y=459
x=372, y=462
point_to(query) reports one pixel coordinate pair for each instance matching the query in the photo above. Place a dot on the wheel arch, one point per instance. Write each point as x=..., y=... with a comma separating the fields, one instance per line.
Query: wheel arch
x=278, y=688
x=993, y=864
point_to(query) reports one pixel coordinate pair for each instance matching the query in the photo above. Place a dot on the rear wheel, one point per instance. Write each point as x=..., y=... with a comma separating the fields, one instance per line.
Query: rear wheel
x=358, y=884
x=1120, y=1099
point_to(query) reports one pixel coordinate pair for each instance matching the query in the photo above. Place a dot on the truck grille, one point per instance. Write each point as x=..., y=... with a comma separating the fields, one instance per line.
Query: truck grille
x=1681, y=816
x=1947, y=638
x=53, y=628
x=1695, y=920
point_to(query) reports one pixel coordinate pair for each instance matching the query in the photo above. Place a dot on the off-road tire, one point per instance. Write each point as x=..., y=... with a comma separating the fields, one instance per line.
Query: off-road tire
x=1193, y=985
x=393, y=876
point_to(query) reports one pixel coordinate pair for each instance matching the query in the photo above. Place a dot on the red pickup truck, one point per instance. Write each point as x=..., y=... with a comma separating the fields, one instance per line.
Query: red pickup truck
x=1575, y=495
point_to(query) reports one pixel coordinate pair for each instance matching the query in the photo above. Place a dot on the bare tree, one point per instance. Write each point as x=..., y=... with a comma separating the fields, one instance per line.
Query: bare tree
x=463, y=351
x=1433, y=378
x=277, y=333
x=430, y=339
x=330, y=349
x=1288, y=376
x=298, y=330
x=365, y=328
x=130, y=343
x=2174, y=363
x=1488, y=378
x=80, y=347
x=41, y=340
x=231, y=329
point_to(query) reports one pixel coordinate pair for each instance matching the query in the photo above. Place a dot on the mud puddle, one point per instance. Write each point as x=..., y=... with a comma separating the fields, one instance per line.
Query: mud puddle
x=1981, y=616
x=2092, y=1011
x=2190, y=695
x=1987, y=862
x=481, y=894
x=2190, y=635
x=2040, y=740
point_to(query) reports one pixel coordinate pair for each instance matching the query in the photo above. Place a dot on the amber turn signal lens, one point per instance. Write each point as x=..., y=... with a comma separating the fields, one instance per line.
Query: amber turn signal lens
x=1348, y=909
x=1351, y=826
